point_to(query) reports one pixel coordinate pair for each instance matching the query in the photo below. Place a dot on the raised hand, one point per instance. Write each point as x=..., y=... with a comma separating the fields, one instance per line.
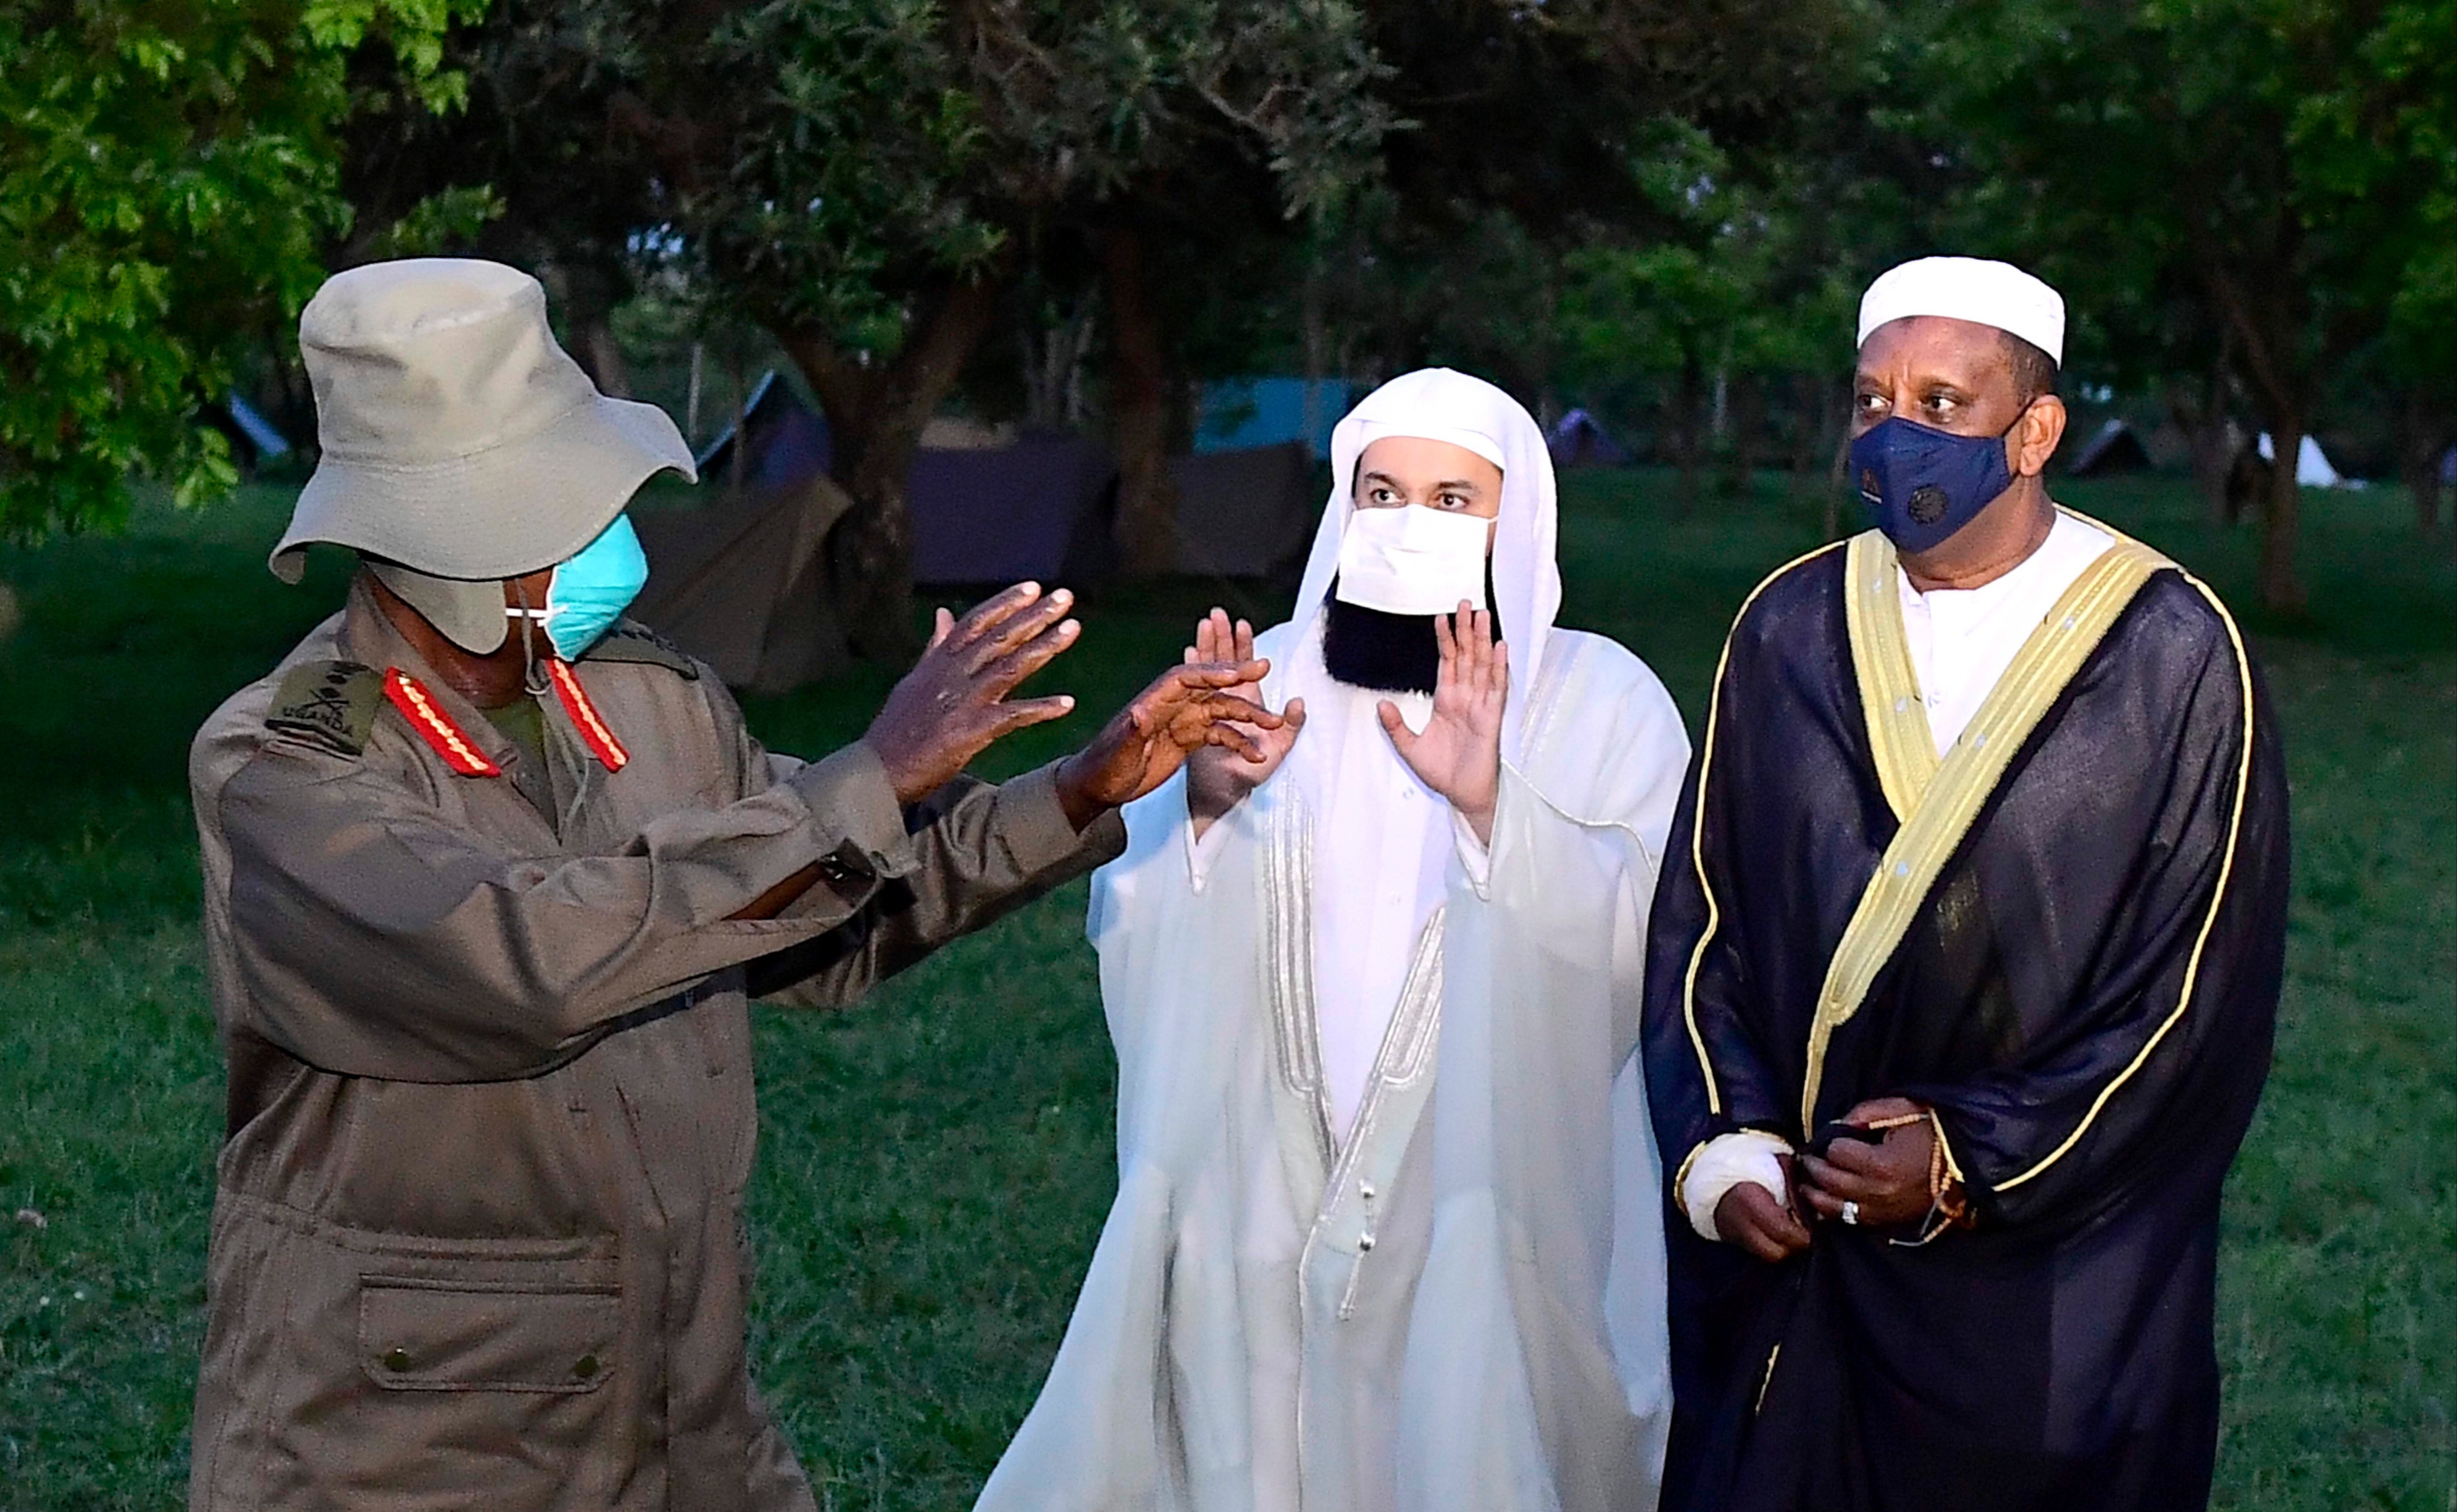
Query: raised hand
x=1219, y=777
x=1184, y=710
x=953, y=703
x=1458, y=756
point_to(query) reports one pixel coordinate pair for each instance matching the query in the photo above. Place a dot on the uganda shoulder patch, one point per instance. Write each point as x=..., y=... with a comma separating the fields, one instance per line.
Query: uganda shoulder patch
x=327, y=703
x=630, y=640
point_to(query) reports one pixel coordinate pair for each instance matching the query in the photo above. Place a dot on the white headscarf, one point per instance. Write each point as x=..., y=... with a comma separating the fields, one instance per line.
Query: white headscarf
x=1382, y=840
x=1436, y=404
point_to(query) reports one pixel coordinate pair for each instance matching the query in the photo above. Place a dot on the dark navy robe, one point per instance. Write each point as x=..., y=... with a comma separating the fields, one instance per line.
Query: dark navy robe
x=2059, y=1352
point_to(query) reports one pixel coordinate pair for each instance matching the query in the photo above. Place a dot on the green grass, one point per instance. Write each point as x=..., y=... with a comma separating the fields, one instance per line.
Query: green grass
x=936, y=1164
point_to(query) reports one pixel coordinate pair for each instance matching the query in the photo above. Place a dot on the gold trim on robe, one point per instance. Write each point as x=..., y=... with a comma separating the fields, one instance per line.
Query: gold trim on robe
x=1697, y=829
x=1945, y=805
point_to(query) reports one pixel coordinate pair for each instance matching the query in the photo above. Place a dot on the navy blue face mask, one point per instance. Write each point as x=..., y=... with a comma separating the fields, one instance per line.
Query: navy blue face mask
x=1921, y=484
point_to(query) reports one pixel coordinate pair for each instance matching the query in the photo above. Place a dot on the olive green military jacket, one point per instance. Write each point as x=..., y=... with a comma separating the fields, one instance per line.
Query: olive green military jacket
x=479, y=1236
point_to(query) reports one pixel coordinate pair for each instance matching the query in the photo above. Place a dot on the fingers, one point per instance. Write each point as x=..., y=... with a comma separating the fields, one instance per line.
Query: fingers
x=1244, y=649
x=943, y=625
x=1824, y=1177
x=1863, y=1187
x=1018, y=629
x=1820, y=1202
x=1225, y=734
x=1397, y=728
x=1857, y=1156
x=1219, y=674
x=995, y=610
x=1211, y=638
x=1184, y=692
x=1002, y=675
x=1014, y=716
x=1293, y=715
x=1751, y=1217
x=1227, y=706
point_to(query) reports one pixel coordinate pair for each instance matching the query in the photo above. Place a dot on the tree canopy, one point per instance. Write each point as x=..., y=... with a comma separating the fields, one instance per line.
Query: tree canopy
x=1663, y=211
x=168, y=185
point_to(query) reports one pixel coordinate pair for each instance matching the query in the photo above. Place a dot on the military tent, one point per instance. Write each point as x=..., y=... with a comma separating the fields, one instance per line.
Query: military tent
x=2312, y=468
x=1244, y=514
x=1578, y=440
x=1238, y=413
x=2114, y=449
x=254, y=440
x=738, y=580
x=1038, y=509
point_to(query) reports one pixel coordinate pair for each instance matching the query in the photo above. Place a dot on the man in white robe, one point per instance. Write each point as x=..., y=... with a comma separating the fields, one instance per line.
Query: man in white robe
x=1387, y=1230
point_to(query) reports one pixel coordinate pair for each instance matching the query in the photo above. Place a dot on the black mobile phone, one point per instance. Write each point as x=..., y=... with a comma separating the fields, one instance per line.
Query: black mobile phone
x=1839, y=1129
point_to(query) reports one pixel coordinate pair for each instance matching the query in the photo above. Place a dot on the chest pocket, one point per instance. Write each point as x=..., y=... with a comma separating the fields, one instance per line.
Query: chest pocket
x=432, y=1335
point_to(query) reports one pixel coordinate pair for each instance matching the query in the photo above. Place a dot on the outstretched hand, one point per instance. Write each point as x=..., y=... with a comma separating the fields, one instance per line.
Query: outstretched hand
x=1184, y=710
x=1219, y=777
x=953, y=703
x=1458, y=756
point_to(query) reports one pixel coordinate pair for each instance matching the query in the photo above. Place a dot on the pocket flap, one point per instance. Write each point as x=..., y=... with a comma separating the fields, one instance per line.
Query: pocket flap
x=434, y=1336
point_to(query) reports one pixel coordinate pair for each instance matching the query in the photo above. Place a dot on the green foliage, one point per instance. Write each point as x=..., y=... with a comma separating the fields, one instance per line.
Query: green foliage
x=2262, y=168
x=167, y=188
x=829, y=165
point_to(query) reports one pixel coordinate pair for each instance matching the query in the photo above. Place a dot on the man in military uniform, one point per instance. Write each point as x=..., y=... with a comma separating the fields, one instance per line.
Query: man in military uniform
x=490, y=877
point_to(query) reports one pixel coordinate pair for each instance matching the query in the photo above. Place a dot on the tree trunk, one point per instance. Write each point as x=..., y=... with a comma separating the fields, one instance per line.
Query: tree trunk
x=1808, y=430
x=2263, y=341
x=2424, y=436
x=1688, y=400
x=8, y=612
x=1146, y=523
x=590, y=294
x=1748, y=428
x=2213, y=439
x=1838, y=482
x=2281, y=589
x=875, y=420
x=2420, y=470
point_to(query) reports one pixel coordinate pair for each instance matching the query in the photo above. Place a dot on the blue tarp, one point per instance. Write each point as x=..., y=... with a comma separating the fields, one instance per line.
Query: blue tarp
x=1241, y=412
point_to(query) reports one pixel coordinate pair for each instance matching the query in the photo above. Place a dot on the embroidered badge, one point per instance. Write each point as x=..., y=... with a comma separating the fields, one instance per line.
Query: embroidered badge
x=331, y=704
x=435, y=727
x=602, y=744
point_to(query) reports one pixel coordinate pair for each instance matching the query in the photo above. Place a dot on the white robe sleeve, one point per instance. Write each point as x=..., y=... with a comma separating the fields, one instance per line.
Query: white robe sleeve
x=1541, y=1302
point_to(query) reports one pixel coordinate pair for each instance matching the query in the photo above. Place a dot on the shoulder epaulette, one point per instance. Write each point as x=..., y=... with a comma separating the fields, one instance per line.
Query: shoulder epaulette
x=632, y=641
x=327, y=703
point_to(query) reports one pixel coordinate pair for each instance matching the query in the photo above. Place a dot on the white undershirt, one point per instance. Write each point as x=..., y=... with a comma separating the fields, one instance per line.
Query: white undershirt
x=1962, y=639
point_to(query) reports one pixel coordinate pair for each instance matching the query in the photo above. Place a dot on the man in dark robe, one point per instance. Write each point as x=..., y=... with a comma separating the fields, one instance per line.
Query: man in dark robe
x=1962, y=973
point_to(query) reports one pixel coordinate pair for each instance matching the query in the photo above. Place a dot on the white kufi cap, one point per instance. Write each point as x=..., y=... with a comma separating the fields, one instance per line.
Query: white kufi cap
x=1974, y=289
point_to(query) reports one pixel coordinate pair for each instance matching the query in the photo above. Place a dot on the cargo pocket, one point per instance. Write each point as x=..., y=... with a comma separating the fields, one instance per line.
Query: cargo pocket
x=421, y=1334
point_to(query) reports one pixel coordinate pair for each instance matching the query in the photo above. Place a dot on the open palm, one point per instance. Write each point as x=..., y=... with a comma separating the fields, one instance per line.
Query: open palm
x=1458, y=754
x=1218, y=777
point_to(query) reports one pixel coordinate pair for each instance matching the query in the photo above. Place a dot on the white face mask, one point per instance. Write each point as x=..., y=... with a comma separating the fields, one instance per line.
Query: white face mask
x=1413, y=560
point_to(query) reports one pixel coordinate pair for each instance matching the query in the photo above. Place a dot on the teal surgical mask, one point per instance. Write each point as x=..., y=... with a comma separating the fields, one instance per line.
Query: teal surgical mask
x=590, y=591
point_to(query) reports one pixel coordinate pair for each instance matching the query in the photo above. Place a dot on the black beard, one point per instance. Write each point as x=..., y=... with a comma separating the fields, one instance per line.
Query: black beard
x=1382, y=652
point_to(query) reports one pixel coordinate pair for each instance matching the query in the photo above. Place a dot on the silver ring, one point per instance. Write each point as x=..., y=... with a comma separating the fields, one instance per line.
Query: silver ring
x=1851, y=1213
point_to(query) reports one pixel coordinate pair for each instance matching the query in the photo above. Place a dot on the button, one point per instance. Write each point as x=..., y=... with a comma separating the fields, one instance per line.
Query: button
x=1365, y=1240
x=1365, y=1189
x=395, y=1359
x=585, y=1367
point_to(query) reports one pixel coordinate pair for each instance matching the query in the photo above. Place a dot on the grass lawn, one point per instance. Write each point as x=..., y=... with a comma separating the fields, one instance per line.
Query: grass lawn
x=935, y=1164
